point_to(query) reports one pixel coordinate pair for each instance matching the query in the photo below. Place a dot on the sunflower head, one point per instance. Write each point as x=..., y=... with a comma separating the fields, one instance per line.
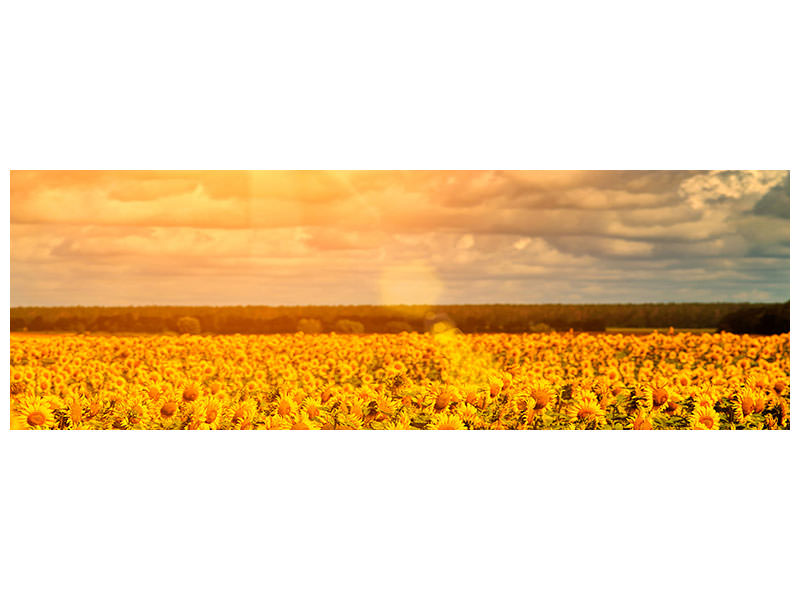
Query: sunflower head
x=745, y=403
x=348, y=421
x=402, y=422
x=495, y=385
x=704, y=417
x=446, y=421
x=542, y=394
x=76, y=412
x=442, y=396
x=32, y=413
x=584, y=407
x=312, y=409
x=302, y=422
x=642, y=421
x=244, y=414
x=659, y=395
x=168, y=409
x=190, y=393
x=475, y=397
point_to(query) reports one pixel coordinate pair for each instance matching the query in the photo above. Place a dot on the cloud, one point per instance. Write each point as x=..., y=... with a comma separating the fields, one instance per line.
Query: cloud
x=739, y=189
x=465, y=242
x=339, y=237
x=775, y=203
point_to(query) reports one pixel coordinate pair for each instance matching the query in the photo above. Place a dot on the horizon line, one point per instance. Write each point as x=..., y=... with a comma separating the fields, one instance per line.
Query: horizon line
x=394, y=305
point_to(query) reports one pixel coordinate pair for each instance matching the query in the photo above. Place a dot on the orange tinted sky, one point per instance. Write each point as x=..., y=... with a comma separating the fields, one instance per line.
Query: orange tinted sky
x=245, y=237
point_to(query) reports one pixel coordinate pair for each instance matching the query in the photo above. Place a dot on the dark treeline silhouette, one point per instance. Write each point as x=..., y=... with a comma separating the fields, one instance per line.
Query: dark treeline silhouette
x=765, y=320
x=488, y=318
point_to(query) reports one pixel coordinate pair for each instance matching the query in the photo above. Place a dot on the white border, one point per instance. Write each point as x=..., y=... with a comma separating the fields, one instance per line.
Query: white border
x=413, y=85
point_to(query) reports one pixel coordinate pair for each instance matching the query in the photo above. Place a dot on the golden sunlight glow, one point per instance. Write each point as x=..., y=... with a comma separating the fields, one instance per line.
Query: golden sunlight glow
x=412, y=283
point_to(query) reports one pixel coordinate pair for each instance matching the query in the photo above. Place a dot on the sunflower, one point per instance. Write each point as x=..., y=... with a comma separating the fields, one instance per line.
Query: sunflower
x=747, y=401
x=18, y=386
x=584, y=406
x=302, y=422
x=277, y=422
x=495, y=385
x=402, y=422
x=704, y=417
x=783, y=408
x=56, y=402
x=244, y=414
x=541, y=395
x=441, y=396
x=164, y=413
x=446, y=421
x=642, y=421
x=348, y=421
x=467, y=412
x=474, y=396
x=75, y=414
x=32, y=413
x=659, y=394
x=780, y=386
x=758, y=382
x=168, y=409
x=286, y=407
x=326, y=394
x=128, y=412
x=312, y=408
x=206, y=413
x=705, y=397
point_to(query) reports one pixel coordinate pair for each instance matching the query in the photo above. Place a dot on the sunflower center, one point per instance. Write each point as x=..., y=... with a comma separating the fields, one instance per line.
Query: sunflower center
x=541, y=398
x=707, y=421
x=586, y=413
x=211, y=415
x=168, y=409
x=659, y=397
x=35, y=419
x=442, y=400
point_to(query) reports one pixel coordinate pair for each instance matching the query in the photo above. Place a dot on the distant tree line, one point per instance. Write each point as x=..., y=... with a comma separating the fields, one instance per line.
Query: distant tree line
x=486, y=318
x=765, y=320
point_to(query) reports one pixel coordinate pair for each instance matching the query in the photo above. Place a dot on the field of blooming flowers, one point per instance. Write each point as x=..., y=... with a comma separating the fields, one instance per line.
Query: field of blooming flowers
x=445, y=380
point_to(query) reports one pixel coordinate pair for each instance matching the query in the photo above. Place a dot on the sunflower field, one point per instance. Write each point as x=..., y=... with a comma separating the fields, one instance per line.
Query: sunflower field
x=443, y=380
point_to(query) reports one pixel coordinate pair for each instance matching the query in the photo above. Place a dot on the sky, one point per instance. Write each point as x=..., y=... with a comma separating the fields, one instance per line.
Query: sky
x=119, y=238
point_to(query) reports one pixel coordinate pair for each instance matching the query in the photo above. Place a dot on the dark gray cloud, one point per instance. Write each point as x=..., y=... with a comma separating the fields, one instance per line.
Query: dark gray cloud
x=775, y=202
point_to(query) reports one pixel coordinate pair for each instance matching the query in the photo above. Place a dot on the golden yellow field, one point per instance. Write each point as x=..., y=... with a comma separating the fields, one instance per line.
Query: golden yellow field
x=403, y=381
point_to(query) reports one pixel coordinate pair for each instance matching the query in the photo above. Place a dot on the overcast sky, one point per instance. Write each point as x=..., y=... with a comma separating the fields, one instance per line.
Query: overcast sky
x=415, y=237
